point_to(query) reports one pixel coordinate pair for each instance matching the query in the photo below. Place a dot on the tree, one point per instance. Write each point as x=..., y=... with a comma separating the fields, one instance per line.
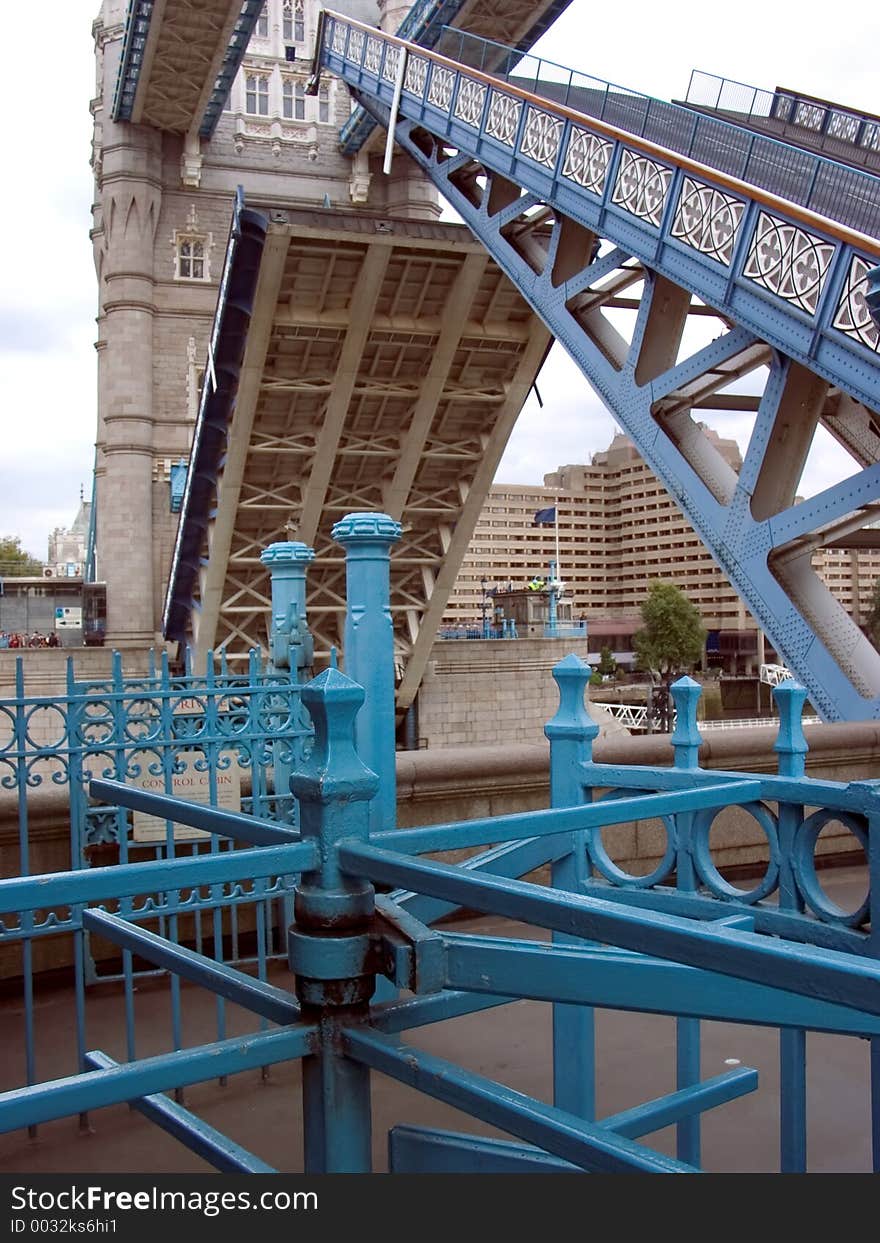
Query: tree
x=607, y=664
x=673, y=636
x=872, y=623
x=14, y=561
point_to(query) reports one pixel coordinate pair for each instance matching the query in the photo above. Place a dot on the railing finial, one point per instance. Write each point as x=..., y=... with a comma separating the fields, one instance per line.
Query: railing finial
x=686, y=737
x=791, y=743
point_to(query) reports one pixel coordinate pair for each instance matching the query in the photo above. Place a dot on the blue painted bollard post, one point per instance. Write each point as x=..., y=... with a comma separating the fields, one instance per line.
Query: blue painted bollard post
x=329, y=941
x=290, y=642
x=686, y=741
x=571, y=733
x=291, y=647
x=791, y=748
x=368, y=644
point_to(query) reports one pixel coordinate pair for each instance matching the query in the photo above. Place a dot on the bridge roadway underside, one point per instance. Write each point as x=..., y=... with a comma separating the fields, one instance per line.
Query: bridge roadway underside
x=385, y=365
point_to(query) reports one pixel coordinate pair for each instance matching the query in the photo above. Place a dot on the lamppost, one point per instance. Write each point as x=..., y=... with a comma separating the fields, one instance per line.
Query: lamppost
x=484, y=606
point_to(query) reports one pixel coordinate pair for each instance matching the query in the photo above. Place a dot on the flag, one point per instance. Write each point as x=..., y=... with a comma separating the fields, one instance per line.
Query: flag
x=544, y=516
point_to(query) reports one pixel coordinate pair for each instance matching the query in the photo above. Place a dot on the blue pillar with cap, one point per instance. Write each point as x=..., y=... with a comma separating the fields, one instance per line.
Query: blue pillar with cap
x=291, y=646
x=368, y=648
x=329, y=942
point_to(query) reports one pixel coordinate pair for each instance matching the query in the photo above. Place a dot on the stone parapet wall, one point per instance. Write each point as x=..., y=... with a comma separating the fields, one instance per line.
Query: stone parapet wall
x=499, y=689
x=45, y=669
x=465, y=783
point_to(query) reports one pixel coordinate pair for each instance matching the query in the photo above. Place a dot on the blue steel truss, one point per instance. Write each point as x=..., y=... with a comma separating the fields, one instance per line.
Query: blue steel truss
x=682, y=940
x=588, y=218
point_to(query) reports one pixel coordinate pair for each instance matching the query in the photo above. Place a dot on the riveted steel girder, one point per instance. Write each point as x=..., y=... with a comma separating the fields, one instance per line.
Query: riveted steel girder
x=620, y=245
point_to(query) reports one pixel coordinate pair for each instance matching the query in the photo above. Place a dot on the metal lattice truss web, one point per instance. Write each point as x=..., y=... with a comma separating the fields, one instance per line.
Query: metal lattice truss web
x=385, y=366
x=678, y=289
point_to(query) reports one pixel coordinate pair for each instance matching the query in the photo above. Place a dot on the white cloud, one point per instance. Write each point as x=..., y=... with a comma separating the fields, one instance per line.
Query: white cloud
x=47, y=295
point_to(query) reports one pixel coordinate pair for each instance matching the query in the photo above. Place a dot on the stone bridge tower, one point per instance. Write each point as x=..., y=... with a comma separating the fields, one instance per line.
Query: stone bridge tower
x=162, y=208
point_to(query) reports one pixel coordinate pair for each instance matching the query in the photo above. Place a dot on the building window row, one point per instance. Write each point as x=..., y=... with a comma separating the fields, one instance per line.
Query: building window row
x=291, y=17
x=295, y=104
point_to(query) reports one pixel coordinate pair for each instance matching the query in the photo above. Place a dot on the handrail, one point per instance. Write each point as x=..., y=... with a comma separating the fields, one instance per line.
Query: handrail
x=803, y=215
x=774, y=95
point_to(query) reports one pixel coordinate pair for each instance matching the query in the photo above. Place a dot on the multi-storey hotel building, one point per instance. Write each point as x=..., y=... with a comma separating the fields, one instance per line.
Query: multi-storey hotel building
x=618, y=529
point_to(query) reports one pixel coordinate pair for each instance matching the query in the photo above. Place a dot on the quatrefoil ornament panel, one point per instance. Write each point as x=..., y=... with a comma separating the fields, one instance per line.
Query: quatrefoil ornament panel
x=708, y=220
x=852, y=315
x=469, y=104
x=416, y=75
x=440, y=90
x=374, y=54
x=339, y=33
x=502, y=121
x=356, y=46
x=392, y=60
x=641, y=186
x=586, y=160
x=541, y=137
x=788, y=261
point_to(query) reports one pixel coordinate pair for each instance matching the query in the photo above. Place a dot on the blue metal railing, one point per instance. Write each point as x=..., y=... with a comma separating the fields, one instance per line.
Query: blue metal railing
x=823, y=185
x=848, y=132
x=683, y=940
x=146, y=727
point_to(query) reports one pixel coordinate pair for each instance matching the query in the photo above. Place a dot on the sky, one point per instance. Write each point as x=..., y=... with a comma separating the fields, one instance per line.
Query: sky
x=48, y=290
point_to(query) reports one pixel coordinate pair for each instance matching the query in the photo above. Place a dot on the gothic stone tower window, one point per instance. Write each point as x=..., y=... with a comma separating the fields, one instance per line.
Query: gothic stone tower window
x=191, y=258
x=293, y=21
x=293, y=99
x=256, y=95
